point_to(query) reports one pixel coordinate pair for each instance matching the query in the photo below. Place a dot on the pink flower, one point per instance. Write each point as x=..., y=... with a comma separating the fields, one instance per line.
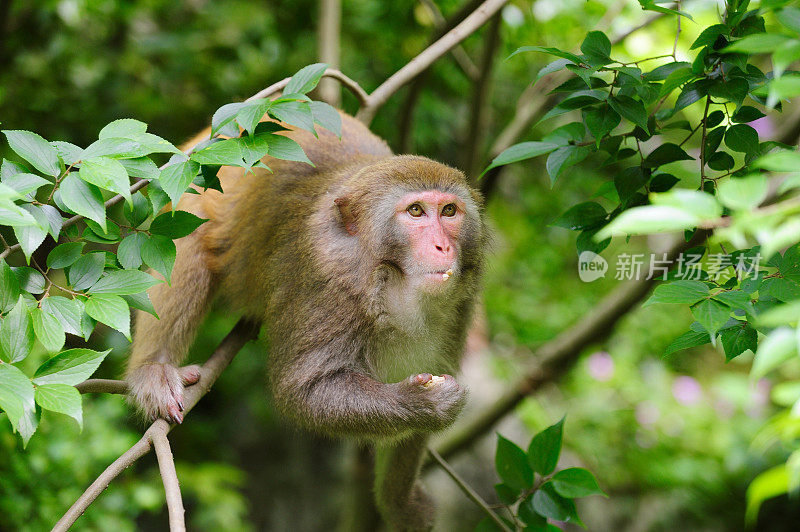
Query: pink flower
x=601, y=366
x=686, y=390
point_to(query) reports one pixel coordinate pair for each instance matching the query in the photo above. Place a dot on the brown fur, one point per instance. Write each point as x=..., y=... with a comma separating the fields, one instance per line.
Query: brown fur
x=313, y=252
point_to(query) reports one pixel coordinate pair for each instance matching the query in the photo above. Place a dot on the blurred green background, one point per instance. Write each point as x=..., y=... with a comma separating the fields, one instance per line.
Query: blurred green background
x=670, y=440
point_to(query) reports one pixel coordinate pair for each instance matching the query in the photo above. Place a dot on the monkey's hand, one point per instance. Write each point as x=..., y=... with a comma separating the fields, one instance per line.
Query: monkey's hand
x=157, y=389
x=435, y=402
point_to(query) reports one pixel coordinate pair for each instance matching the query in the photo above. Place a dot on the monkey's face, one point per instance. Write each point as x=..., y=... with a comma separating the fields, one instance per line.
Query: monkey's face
x=431, y=222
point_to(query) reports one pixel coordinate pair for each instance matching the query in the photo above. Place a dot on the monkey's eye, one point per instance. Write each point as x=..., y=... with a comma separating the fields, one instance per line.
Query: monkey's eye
x=415, y=210
x=449, y=210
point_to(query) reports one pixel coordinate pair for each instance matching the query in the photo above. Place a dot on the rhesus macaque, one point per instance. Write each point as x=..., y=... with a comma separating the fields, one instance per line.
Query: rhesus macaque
x=364, y=269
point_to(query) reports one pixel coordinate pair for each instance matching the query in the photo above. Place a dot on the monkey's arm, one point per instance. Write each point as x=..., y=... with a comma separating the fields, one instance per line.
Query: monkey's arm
x=347, y=402
x=159, y=345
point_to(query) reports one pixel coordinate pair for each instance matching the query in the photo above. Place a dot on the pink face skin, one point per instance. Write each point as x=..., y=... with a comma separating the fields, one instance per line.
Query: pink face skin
x=433, y=233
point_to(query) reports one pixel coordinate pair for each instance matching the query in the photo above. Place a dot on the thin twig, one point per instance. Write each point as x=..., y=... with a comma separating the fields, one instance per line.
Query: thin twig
x=139, y=449
x=328, y=44
x=459, y=54
x=380, y=95
x=468, y=491
x=348, y=83
x=242, y=332
x=172, y=489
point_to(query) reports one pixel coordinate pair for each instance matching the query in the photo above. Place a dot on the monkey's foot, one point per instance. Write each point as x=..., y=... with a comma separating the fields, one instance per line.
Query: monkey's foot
x=157, y=389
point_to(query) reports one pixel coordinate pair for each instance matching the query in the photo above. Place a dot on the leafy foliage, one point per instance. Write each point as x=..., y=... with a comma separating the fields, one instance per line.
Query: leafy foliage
x=89, y=269
x=531, y=490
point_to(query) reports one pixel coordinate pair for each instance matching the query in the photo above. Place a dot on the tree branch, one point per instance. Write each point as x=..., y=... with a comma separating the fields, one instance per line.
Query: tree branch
x=479, y=112
x=172, y=489
x=468, y=491
x=328, y=34
x=474, y=21
x=242, y=332
x=556, y=357
x=415, y=87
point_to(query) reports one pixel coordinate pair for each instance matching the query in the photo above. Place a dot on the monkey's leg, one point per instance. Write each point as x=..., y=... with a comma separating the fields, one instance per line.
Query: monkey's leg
x=159, y=345
x=399, y=496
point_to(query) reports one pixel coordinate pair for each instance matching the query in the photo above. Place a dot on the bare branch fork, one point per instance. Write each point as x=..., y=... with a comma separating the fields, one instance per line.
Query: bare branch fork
x=156, y=434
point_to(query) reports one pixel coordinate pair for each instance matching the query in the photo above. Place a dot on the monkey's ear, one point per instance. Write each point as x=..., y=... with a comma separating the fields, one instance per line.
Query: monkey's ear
x=346, y=214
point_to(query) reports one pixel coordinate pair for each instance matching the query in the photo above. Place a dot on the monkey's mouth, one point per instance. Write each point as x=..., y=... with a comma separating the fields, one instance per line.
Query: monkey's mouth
x=438, y=277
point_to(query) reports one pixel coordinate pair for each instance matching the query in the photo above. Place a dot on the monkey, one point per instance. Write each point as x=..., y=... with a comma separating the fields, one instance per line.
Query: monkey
x=364, y=270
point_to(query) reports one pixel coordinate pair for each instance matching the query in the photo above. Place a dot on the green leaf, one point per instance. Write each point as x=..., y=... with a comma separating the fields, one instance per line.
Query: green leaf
x=771, y=483
x=675, y=79
x=520, y=152
x=720, y=161
x=548, y=503
x=70, y=367
x=16, y=333
x=9, y=287
x=709, y=35
x=158, y=252
x=512, y=465
x=114, y=147
x=743, y=193
x=123, y=282
x=547, y=50
x=680, y=292
x=736, y=340
x=575, y=482
x=67, y=311
x=35, y=150
x=142, y=167
x=742, y=138
x=711, y=314
x=129, y=252
x=54, y=220
x=30, y=237
x=251, y=113
x=17, y=399
x=601, y=120
x=49, y=331
x=545, y=449
x=285, y=148
x=649, y=219
x=25, y=183
x=327, y=117
x=68, y=152
x=506, y=494
x=176, y=179
x=779, y=161
x=112, y=310
x=108, y=174
x=690, y=94
x=746, y=114
x=687, y=340
x=581, y=216
x=631, y=109
x=86, y=271
x=700, y=204
x=83, y=198
x=29, y=279
x=141, y=302
x=64, y=255
x=123, y=128
x=138, y=211
x=224, y=116
x=294, y=113
x=757, y=44
x=306, y=79
x=597, y=48
x=175, y=224
x=564, y=158
x=776, y=348
x=61, y=398
x=665, y=154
